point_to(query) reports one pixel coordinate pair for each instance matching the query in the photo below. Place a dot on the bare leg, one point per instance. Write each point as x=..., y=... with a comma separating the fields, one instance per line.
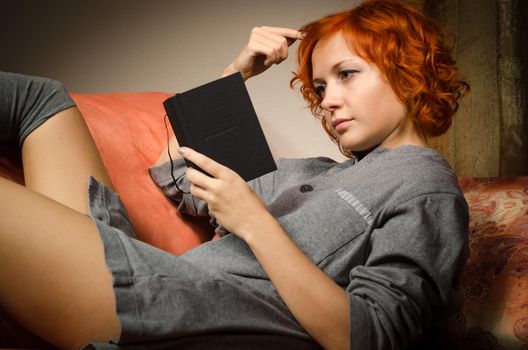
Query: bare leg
x=53, y=276
x=59, y=156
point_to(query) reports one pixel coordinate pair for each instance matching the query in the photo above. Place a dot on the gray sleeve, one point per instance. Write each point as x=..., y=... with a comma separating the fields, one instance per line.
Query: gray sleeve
x=263, y=186
x=410, y=272
x=178, y=191
x=26, y=102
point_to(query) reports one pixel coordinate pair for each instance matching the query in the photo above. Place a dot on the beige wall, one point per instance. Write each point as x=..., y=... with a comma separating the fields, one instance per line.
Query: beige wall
x=161, y=45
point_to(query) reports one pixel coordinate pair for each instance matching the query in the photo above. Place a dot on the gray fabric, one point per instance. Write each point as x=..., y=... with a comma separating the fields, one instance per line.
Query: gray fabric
x=218, y=341
x=390, y=229
x=162, y=296
x=26, y=102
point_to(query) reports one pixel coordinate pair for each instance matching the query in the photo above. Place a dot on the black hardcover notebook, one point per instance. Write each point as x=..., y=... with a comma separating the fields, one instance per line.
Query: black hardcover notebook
x=218, y=120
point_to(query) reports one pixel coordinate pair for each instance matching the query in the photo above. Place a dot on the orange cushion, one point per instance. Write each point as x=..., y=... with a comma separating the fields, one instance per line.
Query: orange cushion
x=129, y=131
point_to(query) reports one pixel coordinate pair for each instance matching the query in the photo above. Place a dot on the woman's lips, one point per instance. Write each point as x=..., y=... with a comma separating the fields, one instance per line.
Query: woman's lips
x=340, y=125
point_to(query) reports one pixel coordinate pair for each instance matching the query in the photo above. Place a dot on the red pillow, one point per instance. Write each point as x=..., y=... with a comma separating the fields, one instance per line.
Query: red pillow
x=129, y=131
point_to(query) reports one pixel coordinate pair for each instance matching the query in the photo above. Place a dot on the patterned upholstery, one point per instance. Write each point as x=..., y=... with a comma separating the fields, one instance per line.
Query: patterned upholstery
x=494, y=282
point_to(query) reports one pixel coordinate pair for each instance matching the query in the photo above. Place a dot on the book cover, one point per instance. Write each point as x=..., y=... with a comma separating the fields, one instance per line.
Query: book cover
x=218, y=120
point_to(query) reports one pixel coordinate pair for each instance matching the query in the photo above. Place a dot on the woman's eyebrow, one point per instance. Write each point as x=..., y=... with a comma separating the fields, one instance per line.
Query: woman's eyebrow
x=335, y=68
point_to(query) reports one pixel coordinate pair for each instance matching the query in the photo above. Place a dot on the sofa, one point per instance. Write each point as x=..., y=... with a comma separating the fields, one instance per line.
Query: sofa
x=130, y=132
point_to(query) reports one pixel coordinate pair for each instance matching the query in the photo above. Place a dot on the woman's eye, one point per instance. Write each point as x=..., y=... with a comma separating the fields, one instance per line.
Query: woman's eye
x=345, y=74
x=319, y=90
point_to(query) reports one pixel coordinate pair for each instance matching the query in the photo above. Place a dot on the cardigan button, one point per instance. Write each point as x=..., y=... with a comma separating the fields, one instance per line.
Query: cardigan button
x=306, y=188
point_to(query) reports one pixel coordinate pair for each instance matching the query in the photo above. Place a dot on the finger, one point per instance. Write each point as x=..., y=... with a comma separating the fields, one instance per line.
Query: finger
x=291, y=34
x=274, y=39
x=210, y=166
x=280, y=46
x=268, y=39
x=265, y=49
x=198, y=178
x=275, y=48
x=199, y=192
x=272, y=42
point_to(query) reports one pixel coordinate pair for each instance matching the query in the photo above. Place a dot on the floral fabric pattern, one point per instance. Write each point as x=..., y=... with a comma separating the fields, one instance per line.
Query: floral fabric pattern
x=494, y=282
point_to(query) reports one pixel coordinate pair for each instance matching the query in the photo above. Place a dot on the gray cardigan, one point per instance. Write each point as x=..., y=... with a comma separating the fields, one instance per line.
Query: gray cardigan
x=390, y=229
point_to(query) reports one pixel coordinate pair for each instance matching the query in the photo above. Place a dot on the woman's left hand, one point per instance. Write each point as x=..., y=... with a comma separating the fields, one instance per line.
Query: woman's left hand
x=230, y=200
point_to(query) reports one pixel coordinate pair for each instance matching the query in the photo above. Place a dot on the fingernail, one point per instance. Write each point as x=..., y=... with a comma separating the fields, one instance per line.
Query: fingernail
x=181, y=150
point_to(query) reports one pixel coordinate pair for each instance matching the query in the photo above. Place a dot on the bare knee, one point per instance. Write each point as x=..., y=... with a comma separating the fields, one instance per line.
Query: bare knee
x=54, y=280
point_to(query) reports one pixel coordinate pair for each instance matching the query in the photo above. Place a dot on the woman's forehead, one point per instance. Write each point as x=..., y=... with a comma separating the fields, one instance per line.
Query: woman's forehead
x=331, y=50
x=334, y=44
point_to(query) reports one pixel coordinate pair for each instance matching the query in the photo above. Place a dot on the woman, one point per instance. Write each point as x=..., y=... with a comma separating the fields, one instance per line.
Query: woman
x=361, y=254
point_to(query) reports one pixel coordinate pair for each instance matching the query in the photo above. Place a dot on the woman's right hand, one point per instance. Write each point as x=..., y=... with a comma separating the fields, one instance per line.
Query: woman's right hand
x=266, y=46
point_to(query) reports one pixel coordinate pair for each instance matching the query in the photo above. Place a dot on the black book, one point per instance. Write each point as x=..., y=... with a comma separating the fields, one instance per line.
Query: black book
x=218, y=120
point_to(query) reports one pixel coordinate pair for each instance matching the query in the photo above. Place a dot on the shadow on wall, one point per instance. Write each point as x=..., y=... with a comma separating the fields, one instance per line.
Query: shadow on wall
x=164, y=45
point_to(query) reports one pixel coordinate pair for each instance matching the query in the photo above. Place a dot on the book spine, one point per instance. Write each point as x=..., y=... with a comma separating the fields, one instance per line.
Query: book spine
x=178, y=122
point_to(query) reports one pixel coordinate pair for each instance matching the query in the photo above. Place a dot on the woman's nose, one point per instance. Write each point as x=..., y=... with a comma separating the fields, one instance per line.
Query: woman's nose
x=332, y=98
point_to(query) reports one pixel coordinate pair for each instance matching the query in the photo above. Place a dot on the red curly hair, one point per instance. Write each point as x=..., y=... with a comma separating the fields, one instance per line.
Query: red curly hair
x=407, y=47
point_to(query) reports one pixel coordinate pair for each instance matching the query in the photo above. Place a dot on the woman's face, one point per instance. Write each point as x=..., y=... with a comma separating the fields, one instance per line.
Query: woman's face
x=359, y=105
